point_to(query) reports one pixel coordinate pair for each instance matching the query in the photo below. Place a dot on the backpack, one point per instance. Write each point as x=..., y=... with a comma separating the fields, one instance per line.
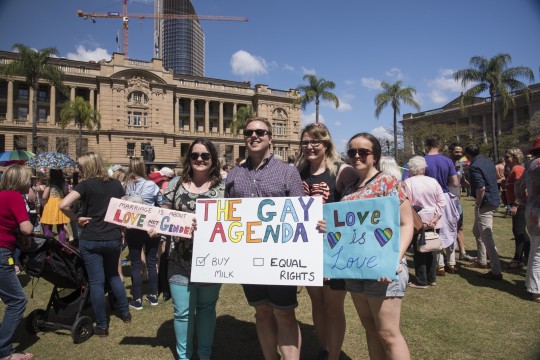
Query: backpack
x=135, y=196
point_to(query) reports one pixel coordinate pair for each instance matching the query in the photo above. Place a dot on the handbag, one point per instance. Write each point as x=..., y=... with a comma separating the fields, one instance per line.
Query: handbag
x=428, y=241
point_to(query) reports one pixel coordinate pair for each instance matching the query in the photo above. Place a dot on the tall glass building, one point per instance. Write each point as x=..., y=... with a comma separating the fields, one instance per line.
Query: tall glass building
x=180, y=43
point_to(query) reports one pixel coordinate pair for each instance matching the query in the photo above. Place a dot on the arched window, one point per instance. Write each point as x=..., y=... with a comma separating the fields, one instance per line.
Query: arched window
x=137, y=97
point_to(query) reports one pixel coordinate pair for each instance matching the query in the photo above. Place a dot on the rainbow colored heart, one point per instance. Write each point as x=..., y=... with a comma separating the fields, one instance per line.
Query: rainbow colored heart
x=333, y=238
x=383, y=236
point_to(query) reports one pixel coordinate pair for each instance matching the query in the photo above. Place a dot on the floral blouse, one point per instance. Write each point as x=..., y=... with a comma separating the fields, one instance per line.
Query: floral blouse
x=528, y=193
x=380, y=185
x=181, y=251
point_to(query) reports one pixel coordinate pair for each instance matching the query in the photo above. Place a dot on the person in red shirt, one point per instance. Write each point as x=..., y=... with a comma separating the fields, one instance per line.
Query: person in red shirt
x=514, y=158
x=15, y=182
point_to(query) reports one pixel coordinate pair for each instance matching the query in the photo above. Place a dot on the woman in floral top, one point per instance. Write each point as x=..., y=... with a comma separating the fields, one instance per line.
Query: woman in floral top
x=531, y=198
x=378, y=303
x=193, y=303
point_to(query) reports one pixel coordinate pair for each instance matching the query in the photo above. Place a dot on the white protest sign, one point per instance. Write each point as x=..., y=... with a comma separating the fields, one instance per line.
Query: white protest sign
x=272, y=241
x=145, y=217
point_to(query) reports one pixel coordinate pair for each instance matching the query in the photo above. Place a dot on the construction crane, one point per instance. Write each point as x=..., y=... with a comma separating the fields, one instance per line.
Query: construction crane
x=125, y=16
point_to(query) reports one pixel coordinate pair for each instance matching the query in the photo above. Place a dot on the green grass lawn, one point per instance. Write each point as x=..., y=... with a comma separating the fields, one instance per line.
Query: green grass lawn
x=464, y=317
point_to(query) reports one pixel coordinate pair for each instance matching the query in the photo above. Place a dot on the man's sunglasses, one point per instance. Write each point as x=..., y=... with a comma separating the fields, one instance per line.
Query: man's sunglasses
x=258, y=132
x=363, y=153
x=195, y=156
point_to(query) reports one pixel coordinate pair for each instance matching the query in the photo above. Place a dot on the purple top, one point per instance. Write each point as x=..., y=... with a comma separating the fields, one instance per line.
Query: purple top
x=273, y=178
x=440, y=168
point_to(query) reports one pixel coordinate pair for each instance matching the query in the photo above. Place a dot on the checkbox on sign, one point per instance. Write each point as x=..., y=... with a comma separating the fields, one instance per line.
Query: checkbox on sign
x=258, y=261
x=200, y=261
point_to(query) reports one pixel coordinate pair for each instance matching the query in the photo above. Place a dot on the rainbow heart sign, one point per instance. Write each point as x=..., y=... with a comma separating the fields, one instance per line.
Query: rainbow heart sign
x=383, y=236
x=362, y=239
x=333, y=239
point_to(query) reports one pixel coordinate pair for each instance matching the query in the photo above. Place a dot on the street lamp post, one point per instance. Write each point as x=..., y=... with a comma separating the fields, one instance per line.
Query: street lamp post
x=387, y=148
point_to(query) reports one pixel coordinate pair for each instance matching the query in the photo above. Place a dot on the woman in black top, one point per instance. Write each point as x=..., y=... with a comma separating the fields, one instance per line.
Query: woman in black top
x=323, y=174
x=100, y=241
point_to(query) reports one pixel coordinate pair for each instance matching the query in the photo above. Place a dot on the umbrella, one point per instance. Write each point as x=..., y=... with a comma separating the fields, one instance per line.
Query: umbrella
x=51, y=160
x=15, y=157
x=464, y=161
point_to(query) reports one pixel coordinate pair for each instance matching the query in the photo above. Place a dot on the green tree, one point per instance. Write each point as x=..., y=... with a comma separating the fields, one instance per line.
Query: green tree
x=493, y=75
x=317, y=89
x=239, y=121
x=82, y=112
x=34, y=66
x=394, y=94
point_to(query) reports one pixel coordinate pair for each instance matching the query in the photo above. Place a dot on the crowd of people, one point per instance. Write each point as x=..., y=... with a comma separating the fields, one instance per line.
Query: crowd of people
x=433, y=190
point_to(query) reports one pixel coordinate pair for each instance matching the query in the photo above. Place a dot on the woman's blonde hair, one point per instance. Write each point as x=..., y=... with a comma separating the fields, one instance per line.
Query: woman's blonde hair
x=320, y=132
x=17, y=178
x=137, y=168
x=389, y=166
x=516, y=154
x=92, y=166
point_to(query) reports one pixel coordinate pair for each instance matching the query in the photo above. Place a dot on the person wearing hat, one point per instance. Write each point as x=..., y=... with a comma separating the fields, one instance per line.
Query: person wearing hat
x=167, y=174
x=528, y=192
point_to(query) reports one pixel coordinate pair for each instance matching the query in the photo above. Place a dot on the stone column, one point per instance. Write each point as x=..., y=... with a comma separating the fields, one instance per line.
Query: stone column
x=192, y=116
x=221, y=117
x=499, y=123
x=484, y=126
x=72, y=93
x=9, y=114
x=207, y=117
x=30, y=107
x=470, y=126
x=92, y=95
x=177, y=114
x=52, y=104
x=234, y=108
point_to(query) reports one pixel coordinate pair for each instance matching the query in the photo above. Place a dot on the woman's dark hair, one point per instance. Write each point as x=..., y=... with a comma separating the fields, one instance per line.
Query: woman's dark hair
x=215, y=173
x=56, y=179
x=376, y=145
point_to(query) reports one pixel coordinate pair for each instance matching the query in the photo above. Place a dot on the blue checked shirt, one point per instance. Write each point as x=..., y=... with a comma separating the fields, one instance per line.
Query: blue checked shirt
x=274, y=178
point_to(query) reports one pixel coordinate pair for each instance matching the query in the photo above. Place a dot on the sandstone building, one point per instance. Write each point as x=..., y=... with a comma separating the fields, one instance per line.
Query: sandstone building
x=141, y=103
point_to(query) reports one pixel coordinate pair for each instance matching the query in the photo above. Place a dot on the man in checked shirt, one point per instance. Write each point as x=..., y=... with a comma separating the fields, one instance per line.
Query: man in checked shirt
x=262, y=175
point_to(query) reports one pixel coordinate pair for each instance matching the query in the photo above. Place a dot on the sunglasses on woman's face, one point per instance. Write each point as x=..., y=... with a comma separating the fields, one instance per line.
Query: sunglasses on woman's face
x=258, y=132
x=363, y=153
x=195, y=156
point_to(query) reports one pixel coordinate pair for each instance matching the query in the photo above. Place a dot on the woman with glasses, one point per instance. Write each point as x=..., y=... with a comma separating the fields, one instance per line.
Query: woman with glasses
x=324, y=174
x=194, y=304
x=14, y=183
x=378, y=302
x=138, y=241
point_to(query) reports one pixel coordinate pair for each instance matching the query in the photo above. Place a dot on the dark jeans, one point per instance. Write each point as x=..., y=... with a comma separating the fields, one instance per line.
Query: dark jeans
x=101, y=263
x=135, y=240
x=14, y=300
x=425, y=265
x=523, y=241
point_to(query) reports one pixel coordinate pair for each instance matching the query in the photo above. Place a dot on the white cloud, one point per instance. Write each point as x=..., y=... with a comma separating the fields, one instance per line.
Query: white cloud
x=308, y=71
x=350, y=82
x=84, y=54
x=394, y=73
x=445, y=82
x=245, y=64
x=310, y=118
x=288, y=67
x=337, y=123
x=344, y=106
x=371, y=83
x=437, y=96
x=381, y=133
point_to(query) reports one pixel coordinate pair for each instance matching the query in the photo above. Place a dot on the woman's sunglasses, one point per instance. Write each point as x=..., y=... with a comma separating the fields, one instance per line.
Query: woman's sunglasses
x=363, y=153
x=258, y=132
x=195, y=156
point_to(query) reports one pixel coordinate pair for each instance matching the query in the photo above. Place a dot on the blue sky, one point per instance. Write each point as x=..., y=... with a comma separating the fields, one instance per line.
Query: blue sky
x=356, y=44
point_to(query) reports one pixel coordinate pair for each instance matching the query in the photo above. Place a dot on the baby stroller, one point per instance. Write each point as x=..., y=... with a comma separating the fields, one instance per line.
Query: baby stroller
x=60, y=264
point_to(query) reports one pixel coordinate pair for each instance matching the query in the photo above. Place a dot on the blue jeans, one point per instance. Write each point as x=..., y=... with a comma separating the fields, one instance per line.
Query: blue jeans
x=136, y=239
x=14, y=300
x=194, y=307
x=101, y=262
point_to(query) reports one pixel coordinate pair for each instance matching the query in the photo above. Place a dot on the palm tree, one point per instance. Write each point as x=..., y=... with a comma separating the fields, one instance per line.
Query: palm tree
x=82, y=112
x=495, y=76
x=34, y=66
x=394, y=94
x=239, y=120
x=316, y=90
